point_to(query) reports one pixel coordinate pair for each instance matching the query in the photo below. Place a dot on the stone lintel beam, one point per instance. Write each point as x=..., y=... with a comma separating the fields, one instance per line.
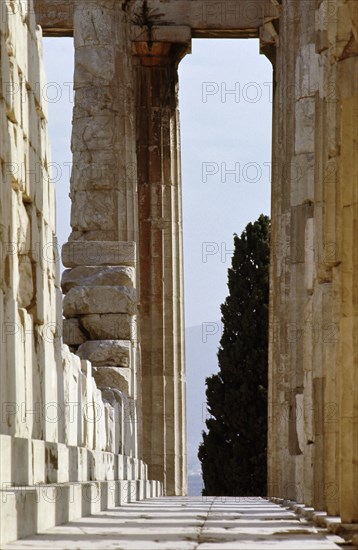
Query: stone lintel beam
x=205, y=18
x=55, y=16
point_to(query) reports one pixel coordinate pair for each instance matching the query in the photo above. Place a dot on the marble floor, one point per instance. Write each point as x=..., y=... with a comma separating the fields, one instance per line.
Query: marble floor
x=186, y=523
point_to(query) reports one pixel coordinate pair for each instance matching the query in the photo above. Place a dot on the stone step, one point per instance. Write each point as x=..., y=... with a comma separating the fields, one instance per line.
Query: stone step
x=49, y=462
x=29, y=510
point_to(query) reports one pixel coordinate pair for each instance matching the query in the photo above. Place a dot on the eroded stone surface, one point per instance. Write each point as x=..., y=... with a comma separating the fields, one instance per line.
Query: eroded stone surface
x=93, y=253
x=72, y=332
x=118, y=326
x=97, y=276
x=104, y=299
x=106, y=352
x=113, y=377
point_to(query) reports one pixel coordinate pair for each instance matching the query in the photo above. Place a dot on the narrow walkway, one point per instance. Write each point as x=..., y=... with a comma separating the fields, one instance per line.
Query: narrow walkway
x=191, y=523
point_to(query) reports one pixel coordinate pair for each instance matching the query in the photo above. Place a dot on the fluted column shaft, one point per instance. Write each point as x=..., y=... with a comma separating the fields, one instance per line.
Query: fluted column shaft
x=160, y=252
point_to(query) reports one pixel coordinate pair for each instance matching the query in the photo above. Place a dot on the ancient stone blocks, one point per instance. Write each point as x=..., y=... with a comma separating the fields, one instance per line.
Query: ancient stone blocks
x=98, y=253
x=100, y=299
x=94, y=276
x=106, y=352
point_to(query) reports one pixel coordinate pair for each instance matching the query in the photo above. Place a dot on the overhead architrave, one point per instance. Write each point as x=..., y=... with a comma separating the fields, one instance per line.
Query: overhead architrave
x=206, y=18
x=55, y=17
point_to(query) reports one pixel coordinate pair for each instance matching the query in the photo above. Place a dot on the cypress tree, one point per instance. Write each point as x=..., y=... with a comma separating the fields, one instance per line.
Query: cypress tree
x=233, y=451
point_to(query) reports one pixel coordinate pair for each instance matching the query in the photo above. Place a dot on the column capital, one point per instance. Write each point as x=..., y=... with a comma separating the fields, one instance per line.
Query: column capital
x=269, y=31
x=159, y=45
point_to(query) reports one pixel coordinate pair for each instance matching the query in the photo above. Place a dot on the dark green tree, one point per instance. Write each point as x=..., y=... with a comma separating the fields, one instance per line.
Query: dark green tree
x=233, y=451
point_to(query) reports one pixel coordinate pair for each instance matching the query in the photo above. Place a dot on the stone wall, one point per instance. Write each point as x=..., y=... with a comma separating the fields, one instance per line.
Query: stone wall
x=313, y=434
x=58, y=430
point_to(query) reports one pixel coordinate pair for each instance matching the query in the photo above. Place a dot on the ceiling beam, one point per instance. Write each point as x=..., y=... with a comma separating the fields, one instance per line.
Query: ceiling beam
x=55, y=16
x=206, y=18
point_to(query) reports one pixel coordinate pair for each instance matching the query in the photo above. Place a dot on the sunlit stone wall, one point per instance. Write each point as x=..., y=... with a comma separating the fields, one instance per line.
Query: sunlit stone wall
x=57, y=426
x=313, y=435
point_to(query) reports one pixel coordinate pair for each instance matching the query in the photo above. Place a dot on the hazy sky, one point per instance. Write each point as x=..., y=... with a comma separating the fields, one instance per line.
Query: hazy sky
x=225, y=104
x=222, y=131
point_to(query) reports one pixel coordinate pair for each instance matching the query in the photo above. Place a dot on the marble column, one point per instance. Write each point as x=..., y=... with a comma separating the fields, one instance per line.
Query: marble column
x=161, y=269
x=100, y=303
x=313, y=435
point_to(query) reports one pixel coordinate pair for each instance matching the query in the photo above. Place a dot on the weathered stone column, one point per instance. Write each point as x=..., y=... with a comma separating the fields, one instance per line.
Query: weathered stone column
x=340, y=228
x=161, y=280
x=313, y=433
x=295, y=374
x=100, y=286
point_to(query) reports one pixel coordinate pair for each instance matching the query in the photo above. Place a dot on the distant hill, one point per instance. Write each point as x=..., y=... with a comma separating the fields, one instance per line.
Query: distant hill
x=201, y=344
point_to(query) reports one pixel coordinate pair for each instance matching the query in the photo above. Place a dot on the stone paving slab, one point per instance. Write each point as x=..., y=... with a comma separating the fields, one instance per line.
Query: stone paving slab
x=186, y=523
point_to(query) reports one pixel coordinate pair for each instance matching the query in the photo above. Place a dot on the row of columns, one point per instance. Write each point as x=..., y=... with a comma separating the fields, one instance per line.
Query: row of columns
x=125, y=190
